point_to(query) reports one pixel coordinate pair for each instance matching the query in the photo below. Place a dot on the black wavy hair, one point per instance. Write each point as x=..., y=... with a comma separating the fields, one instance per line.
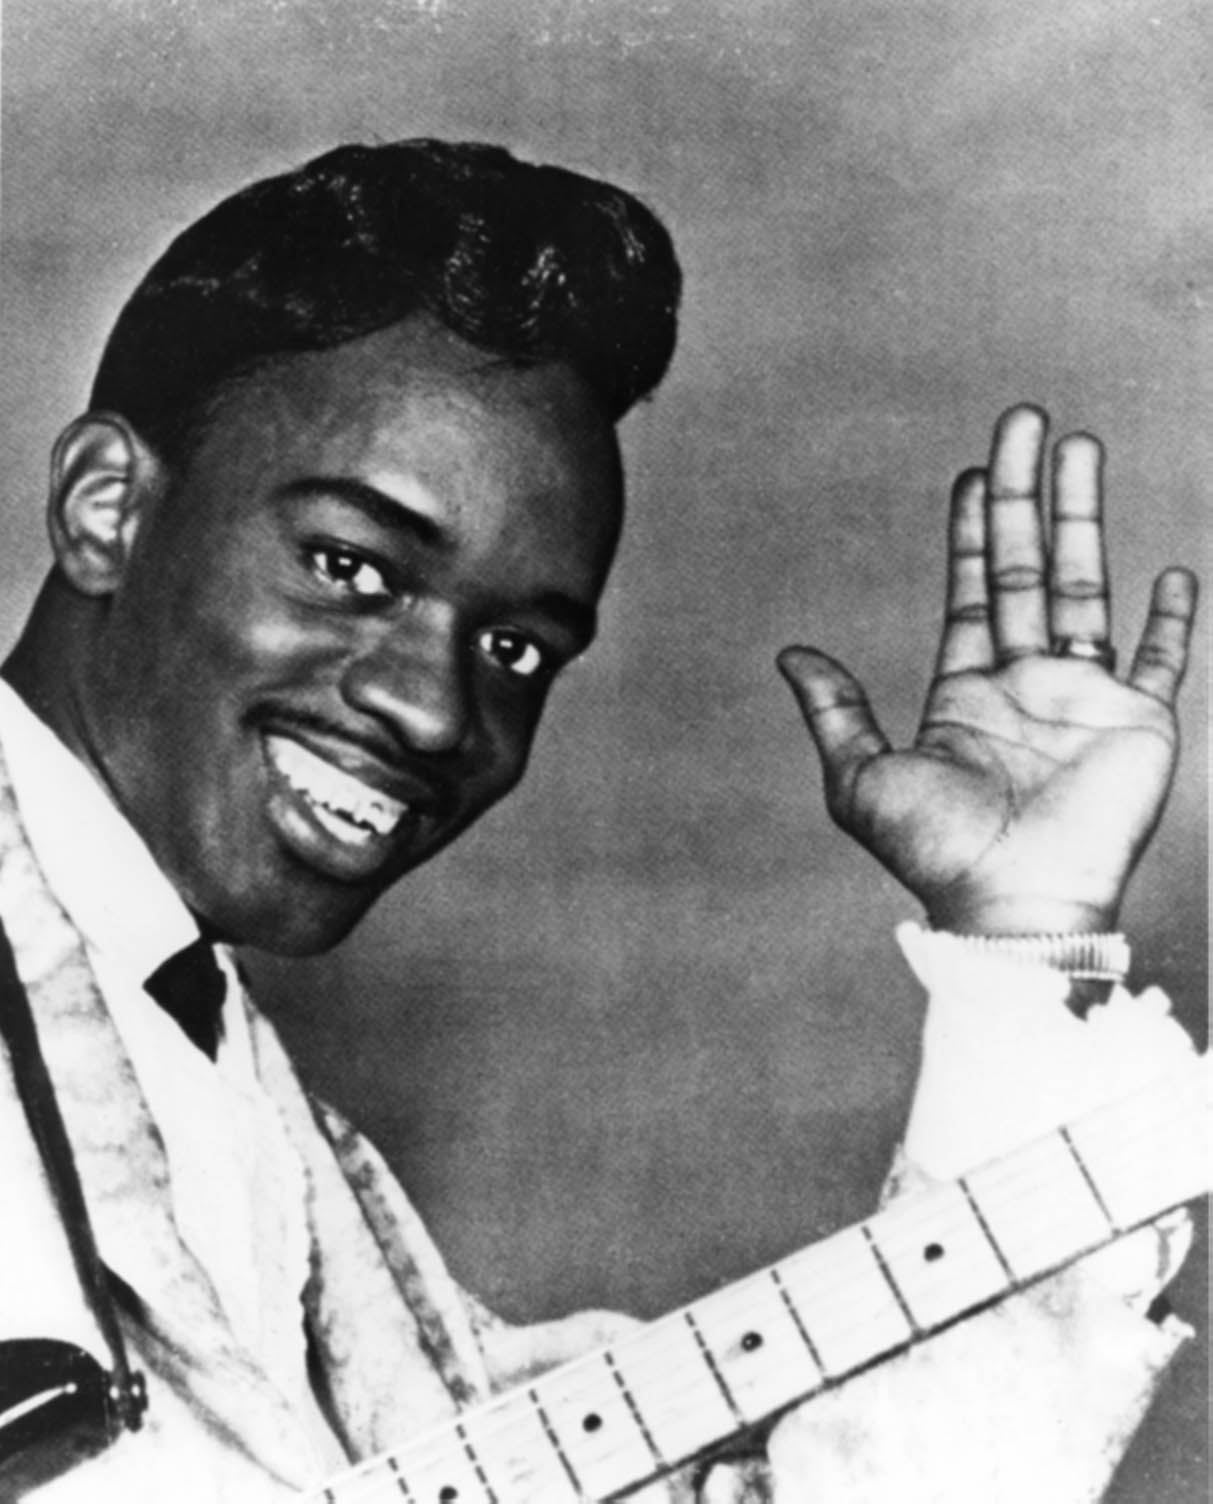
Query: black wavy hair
x=531, y=263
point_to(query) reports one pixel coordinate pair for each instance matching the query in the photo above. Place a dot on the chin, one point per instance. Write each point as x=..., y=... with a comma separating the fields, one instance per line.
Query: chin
x=283, y=906
x=300, y=941
x=300, y=921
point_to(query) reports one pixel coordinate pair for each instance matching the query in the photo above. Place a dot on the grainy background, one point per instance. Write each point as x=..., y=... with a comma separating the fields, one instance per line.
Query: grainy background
x=645, y=1027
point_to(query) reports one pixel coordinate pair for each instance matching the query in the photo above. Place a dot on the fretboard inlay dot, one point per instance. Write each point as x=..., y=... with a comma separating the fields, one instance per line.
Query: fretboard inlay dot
x=751, y=1342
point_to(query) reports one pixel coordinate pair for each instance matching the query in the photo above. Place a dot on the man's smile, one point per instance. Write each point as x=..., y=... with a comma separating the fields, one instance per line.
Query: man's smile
x=335, y=821
x=349, y=799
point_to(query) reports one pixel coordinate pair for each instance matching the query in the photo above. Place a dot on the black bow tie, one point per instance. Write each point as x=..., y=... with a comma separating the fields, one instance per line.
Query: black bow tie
x=191, y=987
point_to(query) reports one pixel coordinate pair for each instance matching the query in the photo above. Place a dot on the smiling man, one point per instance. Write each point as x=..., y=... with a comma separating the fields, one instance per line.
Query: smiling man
x=342, y=506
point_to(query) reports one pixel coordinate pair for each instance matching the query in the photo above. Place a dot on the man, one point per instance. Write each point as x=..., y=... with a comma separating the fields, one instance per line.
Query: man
x=342, y=506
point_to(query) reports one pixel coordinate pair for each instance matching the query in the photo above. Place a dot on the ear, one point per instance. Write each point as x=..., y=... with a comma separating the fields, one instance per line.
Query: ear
x=103, y=480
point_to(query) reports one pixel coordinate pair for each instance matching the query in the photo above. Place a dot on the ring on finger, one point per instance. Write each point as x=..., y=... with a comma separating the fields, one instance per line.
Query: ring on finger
x=1090, y=649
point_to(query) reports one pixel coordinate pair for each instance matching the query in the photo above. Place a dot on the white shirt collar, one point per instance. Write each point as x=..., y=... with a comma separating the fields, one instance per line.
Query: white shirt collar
x=94, y=861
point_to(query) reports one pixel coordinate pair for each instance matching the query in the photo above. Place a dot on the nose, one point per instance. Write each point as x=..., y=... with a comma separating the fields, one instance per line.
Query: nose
x=413, y=678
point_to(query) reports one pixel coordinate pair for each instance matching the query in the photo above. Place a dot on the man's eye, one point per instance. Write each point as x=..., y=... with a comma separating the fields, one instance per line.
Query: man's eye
x=512, y=651
x=348, y=572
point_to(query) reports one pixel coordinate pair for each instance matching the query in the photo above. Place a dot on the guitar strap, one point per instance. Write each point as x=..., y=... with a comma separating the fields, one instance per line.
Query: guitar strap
x=126, y=1394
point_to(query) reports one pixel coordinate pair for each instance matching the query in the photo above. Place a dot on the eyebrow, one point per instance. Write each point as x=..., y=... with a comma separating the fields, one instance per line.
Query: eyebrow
x=393, y=515
x=580, y=621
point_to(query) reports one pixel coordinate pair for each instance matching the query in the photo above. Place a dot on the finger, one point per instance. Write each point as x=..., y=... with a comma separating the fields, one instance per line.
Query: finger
x=965, y=642
x=1078, y=571
x=836, y=711
x=1014, y=535
x=1162, y=654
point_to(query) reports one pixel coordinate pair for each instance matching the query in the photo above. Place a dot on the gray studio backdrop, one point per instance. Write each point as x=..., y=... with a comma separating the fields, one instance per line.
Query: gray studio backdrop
x=645, y=1027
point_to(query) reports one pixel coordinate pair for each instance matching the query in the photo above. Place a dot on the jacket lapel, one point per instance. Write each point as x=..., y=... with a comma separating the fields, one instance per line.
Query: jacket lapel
x=182, y=1333
x=390, y=1324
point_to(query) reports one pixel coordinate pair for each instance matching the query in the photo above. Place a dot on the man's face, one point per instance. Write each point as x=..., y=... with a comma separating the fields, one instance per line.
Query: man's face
x=337, y=627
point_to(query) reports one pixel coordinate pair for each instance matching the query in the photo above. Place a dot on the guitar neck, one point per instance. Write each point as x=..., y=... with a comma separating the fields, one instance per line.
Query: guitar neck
x=604, y=1425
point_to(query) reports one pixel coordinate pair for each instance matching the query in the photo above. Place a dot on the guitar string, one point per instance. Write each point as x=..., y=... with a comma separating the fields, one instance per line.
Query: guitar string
x=1008, y=1179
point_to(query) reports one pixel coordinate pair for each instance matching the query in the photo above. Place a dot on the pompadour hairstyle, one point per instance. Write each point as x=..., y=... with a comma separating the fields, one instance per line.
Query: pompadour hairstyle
x=531, y=263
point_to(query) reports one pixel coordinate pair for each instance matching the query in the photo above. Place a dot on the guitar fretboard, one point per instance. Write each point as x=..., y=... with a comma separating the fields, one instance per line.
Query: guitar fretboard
x=600, y=1427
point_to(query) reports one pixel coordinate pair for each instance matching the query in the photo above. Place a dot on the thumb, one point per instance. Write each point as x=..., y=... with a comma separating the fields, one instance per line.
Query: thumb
x=836, y=711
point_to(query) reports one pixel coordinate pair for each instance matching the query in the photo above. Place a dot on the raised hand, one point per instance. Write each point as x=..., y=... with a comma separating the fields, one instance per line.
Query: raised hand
x=1037, y=776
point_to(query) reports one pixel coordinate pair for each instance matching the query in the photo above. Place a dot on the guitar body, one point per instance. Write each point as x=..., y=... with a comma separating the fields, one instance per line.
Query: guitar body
x=55, y=1411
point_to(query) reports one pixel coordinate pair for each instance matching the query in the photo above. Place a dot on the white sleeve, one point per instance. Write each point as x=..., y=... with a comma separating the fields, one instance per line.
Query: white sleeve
x=1005, y=1060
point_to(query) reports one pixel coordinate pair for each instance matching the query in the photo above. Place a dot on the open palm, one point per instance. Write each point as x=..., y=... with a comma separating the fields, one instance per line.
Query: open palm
x=1036, y=777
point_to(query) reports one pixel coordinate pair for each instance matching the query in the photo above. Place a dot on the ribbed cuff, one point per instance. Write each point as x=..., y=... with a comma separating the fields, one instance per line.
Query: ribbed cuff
x=1097, y=958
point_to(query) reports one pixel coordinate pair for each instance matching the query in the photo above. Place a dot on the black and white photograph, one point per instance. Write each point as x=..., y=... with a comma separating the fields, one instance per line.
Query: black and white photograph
x=603, y=751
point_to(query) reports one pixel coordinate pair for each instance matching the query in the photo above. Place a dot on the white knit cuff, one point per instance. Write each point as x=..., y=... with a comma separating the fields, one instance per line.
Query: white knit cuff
x=1004, y=1060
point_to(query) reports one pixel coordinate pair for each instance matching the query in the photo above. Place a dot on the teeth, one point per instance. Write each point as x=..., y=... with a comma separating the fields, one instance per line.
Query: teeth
x=335, y=796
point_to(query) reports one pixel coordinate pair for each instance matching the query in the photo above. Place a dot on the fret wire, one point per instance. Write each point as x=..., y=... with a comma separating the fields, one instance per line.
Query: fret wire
x=1001, y=1177
x=990, y=1238
x=938, y=1255
x=1000, y=1203
x=1005, y=1179
x=633, y=1407
x=904, y=1225
x=461, y=1430
x=443, y=1460
x=1015, y=1170
x=1132, y=1178
x=1017, y=1180
x=883, y=1265
x=843, y=1281
x=1128, y=1125
x=596, y=1388
x=403, y=1486
x=1016, y=1203
x=1018, y=1173
x=451, y=1437
x=496, y=1418
x=795, y=1315
x=1064, y=1221
x=960, y=1263
x=1127, y=1137
x=759, y=1348
x=681, y=1418
x=555, y=1441
x=850, y=1311
x=847, y=1282
x=710, y=1361
x=1086, y=1174
x=642, y=1365
x=842, y=1297
x=524, y=1457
